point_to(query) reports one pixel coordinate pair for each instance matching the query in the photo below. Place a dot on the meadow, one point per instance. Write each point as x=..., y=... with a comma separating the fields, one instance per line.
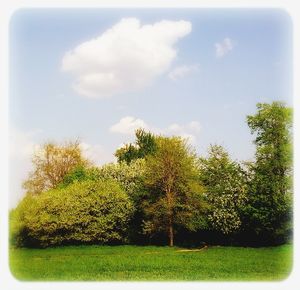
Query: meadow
x=151, y=263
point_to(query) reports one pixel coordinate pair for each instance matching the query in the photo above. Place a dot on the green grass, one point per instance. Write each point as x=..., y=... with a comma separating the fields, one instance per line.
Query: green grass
x=151, y=263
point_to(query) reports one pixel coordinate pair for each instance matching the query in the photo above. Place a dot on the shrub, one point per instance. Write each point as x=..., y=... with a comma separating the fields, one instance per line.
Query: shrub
x=87, y=212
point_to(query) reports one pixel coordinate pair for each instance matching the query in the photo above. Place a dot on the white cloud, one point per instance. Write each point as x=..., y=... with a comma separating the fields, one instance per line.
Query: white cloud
x=129, y=124
x=21, y=151
x=126, y=57
x=188, y=131
x=194, y=126
x=180, y=72
x=224, y=47
x=21, y=144
x=96, y=153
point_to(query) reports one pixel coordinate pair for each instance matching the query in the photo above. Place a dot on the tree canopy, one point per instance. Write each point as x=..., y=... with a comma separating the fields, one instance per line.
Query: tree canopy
x=161, y=190
x=51, y=164
x=145, y=144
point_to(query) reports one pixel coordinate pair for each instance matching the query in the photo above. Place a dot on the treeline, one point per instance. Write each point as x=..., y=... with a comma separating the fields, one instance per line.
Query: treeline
x=161, y=192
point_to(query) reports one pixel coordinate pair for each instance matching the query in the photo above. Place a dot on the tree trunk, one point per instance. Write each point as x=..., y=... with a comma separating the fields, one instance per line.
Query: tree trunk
x=171, y=235
x=170, y=217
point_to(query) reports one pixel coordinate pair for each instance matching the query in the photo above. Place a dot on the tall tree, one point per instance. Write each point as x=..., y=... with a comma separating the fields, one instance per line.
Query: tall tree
x=268, y=214
x=175, y=194
x=226, y=187
x=51, y=164
x=144, y=145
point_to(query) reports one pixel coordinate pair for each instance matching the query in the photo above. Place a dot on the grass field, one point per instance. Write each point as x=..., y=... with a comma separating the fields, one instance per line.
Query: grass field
x=151, y=263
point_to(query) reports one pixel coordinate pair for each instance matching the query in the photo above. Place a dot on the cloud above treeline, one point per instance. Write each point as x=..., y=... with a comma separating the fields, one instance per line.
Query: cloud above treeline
x=127, y=57
x=127, y=126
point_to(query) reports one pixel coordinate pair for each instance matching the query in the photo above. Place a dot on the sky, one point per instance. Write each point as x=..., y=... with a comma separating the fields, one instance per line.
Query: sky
x=96, y=75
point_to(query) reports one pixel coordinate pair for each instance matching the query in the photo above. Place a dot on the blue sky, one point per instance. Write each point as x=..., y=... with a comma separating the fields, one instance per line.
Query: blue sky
x=192, y=72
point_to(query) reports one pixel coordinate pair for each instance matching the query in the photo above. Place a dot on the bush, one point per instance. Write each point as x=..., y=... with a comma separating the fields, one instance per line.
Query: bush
x=87, y=212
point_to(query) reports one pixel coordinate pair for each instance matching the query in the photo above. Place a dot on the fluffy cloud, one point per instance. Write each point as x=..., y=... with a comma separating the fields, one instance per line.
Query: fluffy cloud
x=126, y=57
x=22, y=148
x=223, y=47
x=188, y=131
x=96, y=153
x=129, y=124
x=180, y=72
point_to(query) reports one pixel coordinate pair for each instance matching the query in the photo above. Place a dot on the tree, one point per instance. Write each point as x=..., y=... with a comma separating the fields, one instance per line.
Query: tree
x=144, y=145
x=225, y=188
x=175, y=195
x=51, y=164
x=268, y=214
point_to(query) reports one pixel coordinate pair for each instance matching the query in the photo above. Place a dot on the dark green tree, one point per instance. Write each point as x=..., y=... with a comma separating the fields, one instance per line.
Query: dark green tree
x=268, y=213
x=144, y=145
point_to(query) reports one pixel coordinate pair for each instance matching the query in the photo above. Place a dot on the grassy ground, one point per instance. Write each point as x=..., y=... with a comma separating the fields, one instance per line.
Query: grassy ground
x=151, y=263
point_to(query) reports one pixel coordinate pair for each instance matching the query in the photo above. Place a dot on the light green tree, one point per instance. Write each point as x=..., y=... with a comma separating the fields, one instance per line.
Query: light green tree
x=175, y=195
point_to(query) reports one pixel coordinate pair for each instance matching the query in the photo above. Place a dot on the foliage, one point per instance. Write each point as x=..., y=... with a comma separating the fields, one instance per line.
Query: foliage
x=175, y=196
x=144, y=145
x=130, y=176
x=79, y=174
x=87, y=212
x=159, y=188
x=51, y=164
x=127, y=153
x=17, y=230
x=226, y=188
x=268, y=214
